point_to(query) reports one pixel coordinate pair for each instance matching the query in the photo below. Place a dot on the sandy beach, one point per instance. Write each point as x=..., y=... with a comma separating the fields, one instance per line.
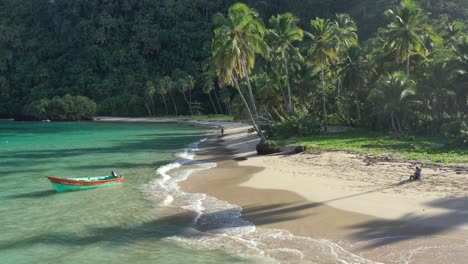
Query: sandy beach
x=364, y=204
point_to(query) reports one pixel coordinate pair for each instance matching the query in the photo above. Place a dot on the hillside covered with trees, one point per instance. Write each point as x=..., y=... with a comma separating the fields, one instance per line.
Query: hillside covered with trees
x=294, y=65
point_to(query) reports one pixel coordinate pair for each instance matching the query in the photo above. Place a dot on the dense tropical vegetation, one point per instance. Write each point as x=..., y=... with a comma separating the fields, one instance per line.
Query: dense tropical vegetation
x=290, y=67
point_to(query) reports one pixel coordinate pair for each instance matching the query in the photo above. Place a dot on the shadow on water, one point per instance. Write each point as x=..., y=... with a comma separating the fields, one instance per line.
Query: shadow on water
x=32, y=195
x=125, y=146
x=173, y=225
x=120, y=165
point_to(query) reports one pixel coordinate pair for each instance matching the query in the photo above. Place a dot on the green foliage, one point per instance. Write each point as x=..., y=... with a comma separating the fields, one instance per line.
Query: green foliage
x=457, y=131
x=166, y=57
x=301, y=123
x=430, y=149
x=66, y=108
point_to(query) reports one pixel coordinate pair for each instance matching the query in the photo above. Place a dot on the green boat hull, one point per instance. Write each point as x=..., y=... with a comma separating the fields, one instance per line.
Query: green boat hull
x=70, y=188
x=86, y=183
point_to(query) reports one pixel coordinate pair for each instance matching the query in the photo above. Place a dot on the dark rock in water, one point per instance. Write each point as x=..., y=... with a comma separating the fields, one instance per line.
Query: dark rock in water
x=240, y=158
x=264, y=148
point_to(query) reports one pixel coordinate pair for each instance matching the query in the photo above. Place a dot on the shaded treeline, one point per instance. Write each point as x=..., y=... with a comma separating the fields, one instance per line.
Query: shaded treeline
x=387, y=65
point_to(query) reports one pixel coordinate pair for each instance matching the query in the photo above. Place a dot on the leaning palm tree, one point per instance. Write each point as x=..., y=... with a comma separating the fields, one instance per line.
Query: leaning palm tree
x=168, y=85
x=208, y=86
x=161, y=90
x=187, y=84
x=392, y=94
x=150, y=90
x=353, y=72
x=284, y=31
x=323, y=52
x=406, y=32
x=238, y=38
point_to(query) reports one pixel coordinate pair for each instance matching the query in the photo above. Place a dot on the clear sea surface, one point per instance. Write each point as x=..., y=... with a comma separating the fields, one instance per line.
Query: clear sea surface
x=131, y=223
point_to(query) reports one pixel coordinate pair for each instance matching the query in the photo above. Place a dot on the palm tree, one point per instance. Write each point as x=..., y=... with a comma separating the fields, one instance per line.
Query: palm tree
x=187, y=84
x=393, y=93
x=161, y=90
x=238, y=38
x=208, y=86
x=149, y=93
x=323, y=52
x=284, y=31
x=168, y=85
x=346, y=31
x=406, y=33
x=353, y=73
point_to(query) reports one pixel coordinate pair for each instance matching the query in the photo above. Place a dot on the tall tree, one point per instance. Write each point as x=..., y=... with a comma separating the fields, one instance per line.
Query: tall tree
x=150, y=90
x=187, y=84
x=323, y=52
x=284, y=31
x=353, y=73
x=393, y=94
x=406, y=31
x=161, y=90
x=238, y=38
x=167, y=84
x=207, y=87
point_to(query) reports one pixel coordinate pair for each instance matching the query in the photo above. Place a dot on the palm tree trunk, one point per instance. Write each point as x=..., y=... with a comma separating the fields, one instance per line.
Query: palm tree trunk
x=257, y=128
x=398, y=123
x=173, y=102
x=348, y=110
x=290, y=107
x=190, y=100
x=393, y=122
x=147, y=108
x=217, y=101
x=165, y=105
x=358, y=107
x=252, y=99
x=408, y=63
x=188, y=104
x=212, y=103
x=282, y=93
x=324, y=106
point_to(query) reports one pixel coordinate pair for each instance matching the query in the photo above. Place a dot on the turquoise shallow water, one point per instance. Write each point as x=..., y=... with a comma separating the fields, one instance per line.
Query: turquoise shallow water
x=111, y=225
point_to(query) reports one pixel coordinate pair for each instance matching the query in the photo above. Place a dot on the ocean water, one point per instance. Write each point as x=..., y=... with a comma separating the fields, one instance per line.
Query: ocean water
x=133, y=223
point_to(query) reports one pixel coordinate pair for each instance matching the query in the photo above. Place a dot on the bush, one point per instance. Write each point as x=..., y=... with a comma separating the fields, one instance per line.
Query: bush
x=300, y=123
x=37, y=109
x=66, y=108
x=123, y=105
x=456, y=131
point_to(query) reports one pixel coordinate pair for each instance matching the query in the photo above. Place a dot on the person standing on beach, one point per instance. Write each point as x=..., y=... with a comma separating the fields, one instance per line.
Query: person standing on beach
x=222, y=131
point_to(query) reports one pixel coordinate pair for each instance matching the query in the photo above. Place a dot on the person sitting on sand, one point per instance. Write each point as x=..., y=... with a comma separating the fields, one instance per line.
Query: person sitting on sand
x=417, y=175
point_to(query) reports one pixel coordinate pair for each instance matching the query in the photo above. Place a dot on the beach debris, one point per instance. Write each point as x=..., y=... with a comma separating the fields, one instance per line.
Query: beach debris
x=264, y=148
x=240, y=158
x=293, y=149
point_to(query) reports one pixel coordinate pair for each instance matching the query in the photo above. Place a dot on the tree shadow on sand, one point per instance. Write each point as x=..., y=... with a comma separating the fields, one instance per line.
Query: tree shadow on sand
x=412, y=226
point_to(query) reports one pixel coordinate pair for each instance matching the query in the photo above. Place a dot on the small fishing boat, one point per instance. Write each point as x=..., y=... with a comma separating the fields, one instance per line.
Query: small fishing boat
x=86, y=183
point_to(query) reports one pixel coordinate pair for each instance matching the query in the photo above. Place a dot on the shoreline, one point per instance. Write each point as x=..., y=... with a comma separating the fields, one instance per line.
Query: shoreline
x=341, y=204
x=288, y=192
